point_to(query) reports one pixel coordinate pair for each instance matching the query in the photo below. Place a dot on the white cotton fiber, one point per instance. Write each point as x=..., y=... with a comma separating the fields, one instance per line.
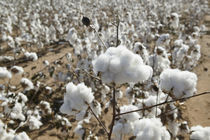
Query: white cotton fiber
x=150, y=129
x=76, y=97
x=182, y=83
x=200, y=133
x=21, y=136
x=4, y=73
x=120, y=65
x=16, y=112
x=131, y=116
x=31, y=55
x=102, y=63
x=34, y=123
x=27, y=84
x=17, y=70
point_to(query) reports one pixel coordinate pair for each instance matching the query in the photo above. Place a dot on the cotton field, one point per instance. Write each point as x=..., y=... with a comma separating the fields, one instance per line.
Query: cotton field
x=97, y=70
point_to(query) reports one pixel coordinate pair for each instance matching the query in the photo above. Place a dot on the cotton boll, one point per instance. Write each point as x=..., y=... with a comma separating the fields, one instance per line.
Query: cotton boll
x=122, y=128
x=101, y=64
x=115, y=65
x=23, y=97
x=173, y=127
x=4, y=73
x=34, y=123
x=65, y=122
x=150, y=129
x=16, y=112
x=21, y=136
x=46, y=107
x=79, y=131
x=46, y=63
x=76, y=97
x=17, y=70
x=131, y=116
x=31, y=56
x=175, y=20
x=121, y=66
x=96, y=107
x=81, y=115
x=182, y=83
x=27, y=84
x=139, y=48
x=163, y=40
x=200, y=133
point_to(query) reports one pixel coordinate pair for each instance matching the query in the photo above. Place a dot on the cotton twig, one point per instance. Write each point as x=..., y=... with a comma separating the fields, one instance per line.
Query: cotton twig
x=166, y=102
x=114, y=113
x=98, y=120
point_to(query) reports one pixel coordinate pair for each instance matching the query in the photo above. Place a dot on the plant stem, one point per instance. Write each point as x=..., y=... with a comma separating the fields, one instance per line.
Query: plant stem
x=118, y=22
x=166, y=102
x=99, y=120
x=114, y=113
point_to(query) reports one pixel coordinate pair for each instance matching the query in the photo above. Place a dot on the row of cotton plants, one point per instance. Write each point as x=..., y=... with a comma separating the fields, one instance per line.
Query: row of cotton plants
x=127, y=57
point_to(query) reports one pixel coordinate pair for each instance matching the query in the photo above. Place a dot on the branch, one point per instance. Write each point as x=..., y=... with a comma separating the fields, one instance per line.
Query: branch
x=118, y=22
x=166, y=102
x=113, y=115
x=92, y=27
x=98, y=120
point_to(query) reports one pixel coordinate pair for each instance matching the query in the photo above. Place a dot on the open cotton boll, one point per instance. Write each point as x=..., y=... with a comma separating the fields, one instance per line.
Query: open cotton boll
x=21, y=136
x=120, y=65
x=200, y=133
x=31, y=56
x=27, y=84
x=16, y=112
x=34, y=123
x=163, y=40
x=76, y=97
x=131, y=116
x=102, y=63
x=150, y=129
x=122, y=128
x=79, y=130
x=182, y=83
x=46, y=107
x=17, y=70
x=4, y=73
